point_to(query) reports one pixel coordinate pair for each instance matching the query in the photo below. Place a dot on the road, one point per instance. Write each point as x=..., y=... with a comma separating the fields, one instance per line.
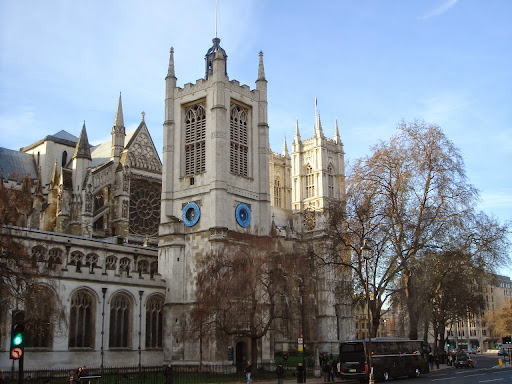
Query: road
x=486, y=370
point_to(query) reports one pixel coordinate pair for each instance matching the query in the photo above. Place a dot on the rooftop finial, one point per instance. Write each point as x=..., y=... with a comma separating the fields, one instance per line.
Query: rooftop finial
x=143, y=115
x=261, y=68
x=170, y=71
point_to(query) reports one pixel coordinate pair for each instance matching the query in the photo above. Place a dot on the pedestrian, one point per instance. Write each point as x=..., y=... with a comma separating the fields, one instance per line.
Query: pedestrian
x=334, y=367
x=327, y=371
x=73, y=378
x=431, y=360
x=280, y=373
x=248, y=372
x=169, y=374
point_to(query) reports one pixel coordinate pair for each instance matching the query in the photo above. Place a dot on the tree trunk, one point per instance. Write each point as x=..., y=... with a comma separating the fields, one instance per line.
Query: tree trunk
x=411, y=302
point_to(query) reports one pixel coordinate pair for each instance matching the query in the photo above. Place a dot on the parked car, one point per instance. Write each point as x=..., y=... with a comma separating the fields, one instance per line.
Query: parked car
x=502, y=352
x=472, y=351
x=462, y=360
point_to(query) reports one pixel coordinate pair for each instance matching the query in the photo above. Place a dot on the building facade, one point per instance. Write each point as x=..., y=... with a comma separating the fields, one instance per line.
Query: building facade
x=130, y=230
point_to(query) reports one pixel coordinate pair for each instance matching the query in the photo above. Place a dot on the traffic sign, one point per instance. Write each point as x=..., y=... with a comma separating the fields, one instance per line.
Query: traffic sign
x=16, y=353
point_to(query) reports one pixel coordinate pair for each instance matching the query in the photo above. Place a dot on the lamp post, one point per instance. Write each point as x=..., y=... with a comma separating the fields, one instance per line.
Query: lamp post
x=366, y=253
x=140, y=328
x=104, y=291
x=301, y=288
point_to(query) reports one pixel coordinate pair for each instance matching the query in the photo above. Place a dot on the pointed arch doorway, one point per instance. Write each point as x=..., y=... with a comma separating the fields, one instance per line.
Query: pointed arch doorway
x=241, y=355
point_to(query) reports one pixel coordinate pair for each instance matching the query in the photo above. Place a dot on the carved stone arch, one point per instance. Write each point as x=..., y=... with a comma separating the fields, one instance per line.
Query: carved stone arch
x=91, y=291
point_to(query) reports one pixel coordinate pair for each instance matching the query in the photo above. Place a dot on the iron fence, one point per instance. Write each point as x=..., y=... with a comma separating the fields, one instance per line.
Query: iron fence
x=183, y=374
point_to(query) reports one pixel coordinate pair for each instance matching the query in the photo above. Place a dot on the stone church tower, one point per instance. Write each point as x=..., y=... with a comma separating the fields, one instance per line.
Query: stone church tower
x=215, y=180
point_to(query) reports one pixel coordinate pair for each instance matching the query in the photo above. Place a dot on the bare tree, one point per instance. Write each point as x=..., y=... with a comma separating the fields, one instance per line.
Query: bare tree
x=240, y=288
x=411, y=197
x=24, y=283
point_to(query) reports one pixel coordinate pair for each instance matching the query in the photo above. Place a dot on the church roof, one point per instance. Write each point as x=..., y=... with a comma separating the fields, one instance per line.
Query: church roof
x=14, y=165
x=101, y=153
x=61, y=137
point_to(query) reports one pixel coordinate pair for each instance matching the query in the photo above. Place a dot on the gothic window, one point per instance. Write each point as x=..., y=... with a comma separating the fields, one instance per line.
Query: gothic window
x=277, y=193
x=120, y=325
x=54, y=257
x=81, y=320
x=195, y=134
x=91, y=259
x=330, y=181
x=153, y=268
x=144, y=207
x=154, y=308
x=310, y=182
x=239, y=140
x=64, y=158
x=143, y=266
x=77, y=258
x=124, y=264
x=38, y=329
x=38, y=253
x=111, y=263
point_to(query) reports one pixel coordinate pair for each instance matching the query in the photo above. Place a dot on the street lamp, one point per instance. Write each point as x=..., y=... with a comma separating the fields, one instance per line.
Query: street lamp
x=366, y=253
x=301, y=289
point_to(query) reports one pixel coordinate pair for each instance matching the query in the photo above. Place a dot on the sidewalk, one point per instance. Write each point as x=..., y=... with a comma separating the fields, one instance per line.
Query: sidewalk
x=320, y=380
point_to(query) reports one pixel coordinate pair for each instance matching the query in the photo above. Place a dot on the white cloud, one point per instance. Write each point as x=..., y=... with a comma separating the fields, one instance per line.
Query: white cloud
x=439, y=10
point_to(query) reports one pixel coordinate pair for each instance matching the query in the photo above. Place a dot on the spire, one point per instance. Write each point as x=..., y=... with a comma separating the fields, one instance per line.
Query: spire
x=318, y=126
x=55, y=176
x=82, y=149
x=261, y=68
x=336, y=132
x=285, y=147
x=118, y=121
x=170, y=71
x=297, y=133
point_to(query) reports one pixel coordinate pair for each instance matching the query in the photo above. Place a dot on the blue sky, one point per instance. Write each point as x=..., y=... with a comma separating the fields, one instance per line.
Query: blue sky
x=369, y=63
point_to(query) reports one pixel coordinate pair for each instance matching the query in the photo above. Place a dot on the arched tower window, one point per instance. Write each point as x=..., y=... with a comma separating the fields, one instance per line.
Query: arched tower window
x=310, y=182
x=120, y=321
x=195, y=133
x=330, y=181
x=154, y=307
x=81, y=320
x=277, y=193
x=64, y=158
x=239, y=140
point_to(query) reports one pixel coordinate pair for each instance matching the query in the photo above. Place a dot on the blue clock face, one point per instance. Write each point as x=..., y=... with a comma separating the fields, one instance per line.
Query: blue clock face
x=243, y=215
x=191, y=214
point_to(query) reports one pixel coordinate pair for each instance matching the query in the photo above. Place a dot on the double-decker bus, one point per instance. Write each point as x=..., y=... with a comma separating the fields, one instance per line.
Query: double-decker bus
x=390, y=358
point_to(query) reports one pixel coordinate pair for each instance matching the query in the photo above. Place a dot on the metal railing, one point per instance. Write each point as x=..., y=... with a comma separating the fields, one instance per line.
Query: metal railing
x=184, y=374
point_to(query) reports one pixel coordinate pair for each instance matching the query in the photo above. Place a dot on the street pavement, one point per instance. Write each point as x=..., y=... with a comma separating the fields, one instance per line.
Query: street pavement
x=491, y=359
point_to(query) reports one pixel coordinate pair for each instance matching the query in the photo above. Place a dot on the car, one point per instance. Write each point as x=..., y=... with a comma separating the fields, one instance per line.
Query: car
x=462, y=360
x=472, y=351
x=502, y=352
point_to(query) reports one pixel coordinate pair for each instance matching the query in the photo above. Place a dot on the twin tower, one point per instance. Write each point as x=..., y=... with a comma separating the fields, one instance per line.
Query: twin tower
x=220, y=176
